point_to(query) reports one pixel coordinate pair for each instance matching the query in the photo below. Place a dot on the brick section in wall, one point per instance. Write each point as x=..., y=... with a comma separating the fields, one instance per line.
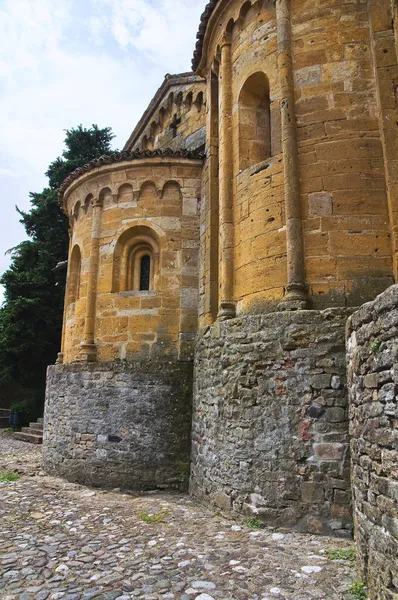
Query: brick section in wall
x=372, y=355
x=270, y=429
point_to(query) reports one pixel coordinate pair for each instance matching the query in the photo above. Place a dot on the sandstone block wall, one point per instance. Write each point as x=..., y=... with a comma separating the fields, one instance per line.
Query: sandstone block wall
x=344, y=68
x=154, y=203
x=270, y=428
x=372, y=355
x=119, y=424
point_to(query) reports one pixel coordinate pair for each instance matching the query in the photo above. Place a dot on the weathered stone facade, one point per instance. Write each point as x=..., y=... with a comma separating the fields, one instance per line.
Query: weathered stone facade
x=124, y=425
x=253, y=205
x=372, y=346
x=270, y=432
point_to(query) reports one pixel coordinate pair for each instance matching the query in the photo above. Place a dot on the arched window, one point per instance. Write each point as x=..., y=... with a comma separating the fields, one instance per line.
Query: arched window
x=74, y=276
x=145, y=272
x=140, y=267
x=254, y=121
x=136, y=261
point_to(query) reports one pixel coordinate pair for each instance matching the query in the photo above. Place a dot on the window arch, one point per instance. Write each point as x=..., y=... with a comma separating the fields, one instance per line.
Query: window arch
x=75, y=269
x=136, y=261
x=254, y=121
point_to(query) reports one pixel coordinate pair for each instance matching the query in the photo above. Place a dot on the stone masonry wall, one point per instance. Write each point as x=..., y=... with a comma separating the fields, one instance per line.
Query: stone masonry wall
x=372, y=380
x=119, y=424
x=270, y=430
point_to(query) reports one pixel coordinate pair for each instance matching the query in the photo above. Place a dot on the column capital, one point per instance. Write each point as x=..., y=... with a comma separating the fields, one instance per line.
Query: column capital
x=226, y=39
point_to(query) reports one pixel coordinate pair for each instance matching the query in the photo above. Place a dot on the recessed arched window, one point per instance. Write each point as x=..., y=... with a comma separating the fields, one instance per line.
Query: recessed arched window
x=254, y=121
x=136, y=261
x=145, y=273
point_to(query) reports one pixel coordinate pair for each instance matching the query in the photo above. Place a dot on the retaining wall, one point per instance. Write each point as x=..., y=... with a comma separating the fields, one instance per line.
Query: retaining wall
x=270, y=427
x=119, y=424
x=372, y=347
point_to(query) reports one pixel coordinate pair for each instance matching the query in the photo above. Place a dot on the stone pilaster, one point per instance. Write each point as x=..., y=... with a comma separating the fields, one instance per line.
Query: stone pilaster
x=88, y=349
x=296, y=293
x=226, y=301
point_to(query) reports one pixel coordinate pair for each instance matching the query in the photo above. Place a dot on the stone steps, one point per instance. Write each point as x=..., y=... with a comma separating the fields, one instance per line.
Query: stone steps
x=32, y=434
x=28, y=437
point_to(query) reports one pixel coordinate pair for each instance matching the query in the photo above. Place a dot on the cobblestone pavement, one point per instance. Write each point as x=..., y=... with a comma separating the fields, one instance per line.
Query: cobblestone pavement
x=62, y=540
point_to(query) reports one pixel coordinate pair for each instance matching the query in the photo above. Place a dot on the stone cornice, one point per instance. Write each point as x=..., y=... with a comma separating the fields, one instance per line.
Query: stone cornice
x=124, y=156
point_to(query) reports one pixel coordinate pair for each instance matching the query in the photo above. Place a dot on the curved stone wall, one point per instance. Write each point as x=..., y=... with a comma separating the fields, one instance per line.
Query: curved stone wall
x=270, y=428
x=338, y=180
x=372, y=354
x=150, y=203
x=124, y=425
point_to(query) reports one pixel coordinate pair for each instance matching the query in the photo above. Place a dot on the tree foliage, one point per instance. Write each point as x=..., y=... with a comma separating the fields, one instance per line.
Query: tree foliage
x=31, y=316
x=82, y=145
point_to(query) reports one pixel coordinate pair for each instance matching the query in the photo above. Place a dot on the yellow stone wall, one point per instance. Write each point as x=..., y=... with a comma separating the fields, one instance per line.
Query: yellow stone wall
x=156, y=197
x=345, y=206
x=315, y=182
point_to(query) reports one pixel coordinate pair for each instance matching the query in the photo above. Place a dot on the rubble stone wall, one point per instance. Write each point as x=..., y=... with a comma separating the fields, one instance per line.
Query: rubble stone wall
x=124, y=425
x=270, y=428
x=372, y=382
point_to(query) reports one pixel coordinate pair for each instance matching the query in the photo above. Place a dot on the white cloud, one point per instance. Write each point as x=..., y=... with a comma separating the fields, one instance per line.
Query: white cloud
x=163, y=30
x=70, y=62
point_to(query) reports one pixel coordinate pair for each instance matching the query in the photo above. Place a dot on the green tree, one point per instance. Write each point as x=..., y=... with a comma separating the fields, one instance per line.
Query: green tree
x=82, y=145
x=31, y=315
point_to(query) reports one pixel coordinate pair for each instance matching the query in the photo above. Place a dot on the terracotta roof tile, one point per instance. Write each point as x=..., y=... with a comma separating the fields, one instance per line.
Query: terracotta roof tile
x=204, y=19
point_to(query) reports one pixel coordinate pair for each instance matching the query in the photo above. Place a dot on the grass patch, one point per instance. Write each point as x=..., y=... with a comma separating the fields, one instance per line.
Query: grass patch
x=158, y=518
x=9, y=476
x=341, y=554
x=358, y=590
x=375, y=346
x=7, y=431
x=254, y=523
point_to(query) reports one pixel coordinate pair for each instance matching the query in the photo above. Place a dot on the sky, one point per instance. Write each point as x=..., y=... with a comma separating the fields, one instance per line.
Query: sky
x=66, y=62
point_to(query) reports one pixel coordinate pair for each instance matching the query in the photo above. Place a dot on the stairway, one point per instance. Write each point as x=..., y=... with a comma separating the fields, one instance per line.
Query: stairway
x=32, y=434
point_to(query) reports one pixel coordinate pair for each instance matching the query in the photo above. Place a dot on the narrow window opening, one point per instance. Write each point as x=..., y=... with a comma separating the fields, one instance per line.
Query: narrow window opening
x=145, y=273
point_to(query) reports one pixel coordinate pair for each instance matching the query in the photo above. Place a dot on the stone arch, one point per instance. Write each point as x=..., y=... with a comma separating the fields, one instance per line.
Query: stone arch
x=105, y=196
x=154, y=131
x=88, y=203
x=172, y=191
x=148, y=191
x=145, y=142
x=74, y=275
x=77, y=211
x=254, y=121
x=162, y=118
x=188, y=101
x=199, y=101
x=179, y=99
x=135, y=243
x=244, y=10
x=125, y=193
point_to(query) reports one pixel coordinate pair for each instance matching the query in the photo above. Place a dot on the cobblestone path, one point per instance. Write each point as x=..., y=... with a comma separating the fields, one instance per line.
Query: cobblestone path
x=61, y=540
